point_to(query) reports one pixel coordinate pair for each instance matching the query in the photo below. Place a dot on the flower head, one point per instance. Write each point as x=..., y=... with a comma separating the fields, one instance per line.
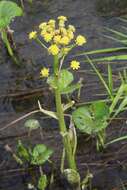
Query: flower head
x=57, y=39
x=75, y=65
x=71, y=28
x=32, y=35
x=48, y=37
x=80, y=40
x=64, y=18
x=64, y=40
x=51, y=22
x=42, y=25
x=70, y=35
x=44, y=72
x=54, y=49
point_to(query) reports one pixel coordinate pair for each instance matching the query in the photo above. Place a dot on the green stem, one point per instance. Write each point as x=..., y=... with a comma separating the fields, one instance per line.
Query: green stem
x=40, y=42
x=61, y=120
x=6, y=41
x=8, y=46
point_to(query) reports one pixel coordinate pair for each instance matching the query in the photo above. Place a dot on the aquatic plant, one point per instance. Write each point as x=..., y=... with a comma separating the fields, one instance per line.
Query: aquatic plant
x=36, y=156
x=59, y=39
x=8, y=11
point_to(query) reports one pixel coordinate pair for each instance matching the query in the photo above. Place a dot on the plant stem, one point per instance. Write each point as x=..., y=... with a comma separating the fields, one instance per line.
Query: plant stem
x=8, y=46
x=5, y=40
x=61, y=120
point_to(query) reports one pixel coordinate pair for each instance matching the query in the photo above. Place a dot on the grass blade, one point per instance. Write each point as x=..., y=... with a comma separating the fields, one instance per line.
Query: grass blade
x=110, y=79
x=100, y=77
x=116, y=140
x=120, y=34
x=106, y=50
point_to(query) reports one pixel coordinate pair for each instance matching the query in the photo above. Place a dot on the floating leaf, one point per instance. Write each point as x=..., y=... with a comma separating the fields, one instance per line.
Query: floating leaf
x=8, y=10
x=40, y=154
x=42, y=183
x=32, y=124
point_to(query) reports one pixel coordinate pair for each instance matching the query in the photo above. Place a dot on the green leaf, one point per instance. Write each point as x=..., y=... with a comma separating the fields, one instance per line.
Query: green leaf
x=110, y=79
x=22, y=151
x=65, y=79
x=112, y=58
x=40, y=154
x=32, y=124
x=51, y=81
x=71, y=88
x=83, y=120
x=98, y=51
x=91, y=119
x=42, y=183
x=100, y=110
x=8, y=10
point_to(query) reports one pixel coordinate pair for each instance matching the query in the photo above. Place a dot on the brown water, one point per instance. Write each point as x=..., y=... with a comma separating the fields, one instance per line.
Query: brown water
x=21, y=87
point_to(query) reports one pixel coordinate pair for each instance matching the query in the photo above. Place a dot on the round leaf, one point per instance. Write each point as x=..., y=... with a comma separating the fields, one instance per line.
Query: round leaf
x=83, y=120
x=8, y=10
x=91, y=119
x=65, y=79
x=40, y=154
x=100, y=110
x=32, y=124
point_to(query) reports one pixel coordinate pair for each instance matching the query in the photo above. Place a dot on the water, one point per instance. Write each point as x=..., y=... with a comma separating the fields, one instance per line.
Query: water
x=21, y=87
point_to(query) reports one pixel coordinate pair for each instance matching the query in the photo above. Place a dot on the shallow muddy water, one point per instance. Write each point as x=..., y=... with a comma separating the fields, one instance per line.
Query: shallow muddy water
x=21, y=88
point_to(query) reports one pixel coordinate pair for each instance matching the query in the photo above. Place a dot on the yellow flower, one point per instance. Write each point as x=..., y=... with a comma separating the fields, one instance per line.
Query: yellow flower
x=63, y=31
x=57, y=32
x=64, y=40
x=43, y=25
x=61, y=23
x=71, y=28
x=62, y=18
x=57, y=39
x=66, y=51
x=32, y=35
x=52, y=22
x=50, y=28
x=43, y=32
x=75, y=65
x=70, y=35
x=44, y=72
x=80, y=40
x=48, y=37
x=54, y=49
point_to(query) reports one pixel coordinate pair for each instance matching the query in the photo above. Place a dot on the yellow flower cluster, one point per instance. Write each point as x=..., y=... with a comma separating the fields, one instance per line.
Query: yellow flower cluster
x=59, y=35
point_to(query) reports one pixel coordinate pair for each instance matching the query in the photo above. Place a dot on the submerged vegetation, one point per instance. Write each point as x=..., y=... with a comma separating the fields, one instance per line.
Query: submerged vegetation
x=58, y=39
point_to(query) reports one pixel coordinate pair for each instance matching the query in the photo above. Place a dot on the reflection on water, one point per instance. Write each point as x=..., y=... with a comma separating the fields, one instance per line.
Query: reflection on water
x=112, y=7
